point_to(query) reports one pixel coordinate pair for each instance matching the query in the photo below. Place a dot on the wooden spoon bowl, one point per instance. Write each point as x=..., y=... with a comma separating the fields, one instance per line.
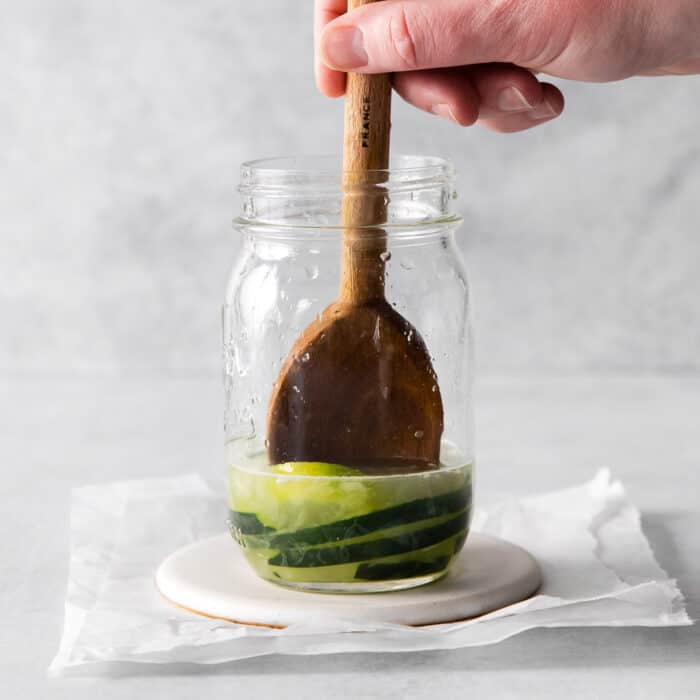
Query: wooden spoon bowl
x=359, y=389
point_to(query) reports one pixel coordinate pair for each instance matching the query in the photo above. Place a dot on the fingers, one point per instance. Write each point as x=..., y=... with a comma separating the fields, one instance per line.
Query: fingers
x=501, y=97
x=330, y=82
x=449, y=93
x=408, y=35
x=689, y=67
x=552, y=106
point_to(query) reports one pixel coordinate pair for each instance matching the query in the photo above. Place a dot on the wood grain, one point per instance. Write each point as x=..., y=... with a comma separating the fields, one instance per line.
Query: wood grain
x=365, y=162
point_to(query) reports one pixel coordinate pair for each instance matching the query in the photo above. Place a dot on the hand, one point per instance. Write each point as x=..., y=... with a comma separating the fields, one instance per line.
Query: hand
x=475, y=60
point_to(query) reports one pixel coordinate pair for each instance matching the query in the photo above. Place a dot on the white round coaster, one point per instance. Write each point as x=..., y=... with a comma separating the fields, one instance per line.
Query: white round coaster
x=212, y=578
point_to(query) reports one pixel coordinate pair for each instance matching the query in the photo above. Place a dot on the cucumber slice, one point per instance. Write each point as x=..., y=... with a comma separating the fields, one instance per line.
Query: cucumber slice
x=247, y=524
x=284, y=502
x=350, y=528
x=343, y=573
x=399, y=570
x=373, y=549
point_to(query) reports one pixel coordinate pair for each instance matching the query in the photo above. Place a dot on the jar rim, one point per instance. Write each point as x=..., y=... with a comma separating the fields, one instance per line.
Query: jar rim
x=413, y=169
x=308, y=192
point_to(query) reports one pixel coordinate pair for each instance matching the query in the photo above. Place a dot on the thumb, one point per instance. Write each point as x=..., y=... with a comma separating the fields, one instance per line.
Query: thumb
x=402, y=35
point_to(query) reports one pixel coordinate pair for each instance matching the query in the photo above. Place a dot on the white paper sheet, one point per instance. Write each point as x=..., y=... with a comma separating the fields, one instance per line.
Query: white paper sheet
x=597, y=566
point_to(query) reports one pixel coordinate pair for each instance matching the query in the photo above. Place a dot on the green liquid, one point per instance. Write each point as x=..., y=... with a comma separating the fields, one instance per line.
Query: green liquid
x=347, y=529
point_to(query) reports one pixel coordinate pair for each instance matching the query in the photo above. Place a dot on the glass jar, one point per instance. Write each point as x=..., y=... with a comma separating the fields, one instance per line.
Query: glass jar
x=317, y=521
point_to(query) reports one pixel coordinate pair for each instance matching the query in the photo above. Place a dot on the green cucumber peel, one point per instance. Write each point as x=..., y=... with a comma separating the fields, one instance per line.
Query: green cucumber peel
x=373, y=549
x=247, y=524
x=350, y=528
x=400, y=570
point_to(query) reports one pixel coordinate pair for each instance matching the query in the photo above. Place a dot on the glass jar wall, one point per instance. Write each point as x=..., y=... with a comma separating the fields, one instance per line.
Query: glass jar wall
x=361, y=511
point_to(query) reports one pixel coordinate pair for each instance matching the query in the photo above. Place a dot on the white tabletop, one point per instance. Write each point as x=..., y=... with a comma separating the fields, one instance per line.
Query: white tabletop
x=534, y=434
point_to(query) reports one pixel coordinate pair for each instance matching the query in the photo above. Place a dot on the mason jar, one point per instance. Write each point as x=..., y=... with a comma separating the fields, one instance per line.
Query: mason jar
x=326, y=517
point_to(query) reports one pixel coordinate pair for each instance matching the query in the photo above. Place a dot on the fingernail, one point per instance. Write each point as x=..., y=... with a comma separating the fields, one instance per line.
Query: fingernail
x=344, y=48
x=444, y=111
x=544, y=110
x=512, y=100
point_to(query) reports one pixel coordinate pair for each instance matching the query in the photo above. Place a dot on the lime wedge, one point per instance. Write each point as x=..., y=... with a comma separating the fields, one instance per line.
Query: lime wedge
x=314, y=469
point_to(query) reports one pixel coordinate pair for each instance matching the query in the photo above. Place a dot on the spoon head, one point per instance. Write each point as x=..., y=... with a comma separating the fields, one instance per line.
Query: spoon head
x=357, y=389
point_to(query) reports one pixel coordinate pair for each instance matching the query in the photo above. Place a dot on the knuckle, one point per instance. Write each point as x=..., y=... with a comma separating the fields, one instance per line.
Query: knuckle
x=524, y=29
x=516, y=23
x=403, y=36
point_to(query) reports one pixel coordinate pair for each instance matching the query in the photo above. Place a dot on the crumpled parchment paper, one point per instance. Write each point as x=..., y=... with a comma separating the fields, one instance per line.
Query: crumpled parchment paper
x=597, y=566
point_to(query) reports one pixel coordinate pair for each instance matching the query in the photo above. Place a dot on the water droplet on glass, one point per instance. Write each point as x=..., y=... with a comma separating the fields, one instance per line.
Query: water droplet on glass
x=240, y=360
x=385, y=256
x=305, y=357
x=407, y=264
x=266, y=443
x=418, y=434
x=295, y=389
x=250, y=428
x=385, y=392
x=311, y=271
x=434, y=389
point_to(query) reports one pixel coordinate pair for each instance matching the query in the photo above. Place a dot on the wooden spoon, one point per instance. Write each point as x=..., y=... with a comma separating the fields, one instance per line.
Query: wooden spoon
x=358, y=387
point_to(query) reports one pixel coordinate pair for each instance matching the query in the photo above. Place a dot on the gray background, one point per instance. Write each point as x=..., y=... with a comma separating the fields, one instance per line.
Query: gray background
x=122, y=125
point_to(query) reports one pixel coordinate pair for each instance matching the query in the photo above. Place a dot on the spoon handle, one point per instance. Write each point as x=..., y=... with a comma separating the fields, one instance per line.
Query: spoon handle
x=367, y=117
x=365, y=161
